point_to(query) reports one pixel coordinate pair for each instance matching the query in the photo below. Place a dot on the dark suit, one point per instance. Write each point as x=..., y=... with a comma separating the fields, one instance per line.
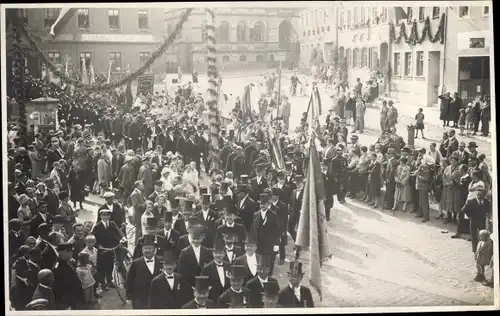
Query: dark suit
x=180, y=225
x=256, y=290
x=54, y=155
x=163, y=244
x=477, y=214
x=237, y=252
x=21, y=294
x=52, y=202
x=182, y=243
x=117, y=163
x=67, y=287
x=189, y=267
x=138, y=201
x=192, y=305
x=268, y=234
x=225, y=298
x=287, y=298
x=242, y=261
x=108, y=238
x=246, y=212
x=170, y=144
x=139, y=280
x=281, y=210
x=452, y=146
x=162, y=296
x=209, y=225
x=463, y=157
x=48, y=256
x=16, y=240
x=156, y=160
x=257, y=187
x=45, y=293
x=240, y=233
x=117, y=214
x=217, y=289
x=295, y=206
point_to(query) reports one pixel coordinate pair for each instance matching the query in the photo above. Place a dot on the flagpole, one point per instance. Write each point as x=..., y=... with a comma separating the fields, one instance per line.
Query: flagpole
x=279, y=93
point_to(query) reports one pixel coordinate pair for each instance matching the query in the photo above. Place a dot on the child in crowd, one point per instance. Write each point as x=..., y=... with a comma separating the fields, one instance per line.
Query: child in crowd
x=462, y=121
x=419, y=123
x=92, y=251
x=469, y=114
x=483, y=255
x=83, y=270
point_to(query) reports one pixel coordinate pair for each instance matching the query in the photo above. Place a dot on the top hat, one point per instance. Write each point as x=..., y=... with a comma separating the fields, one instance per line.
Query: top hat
x=264, y=198
x=203, y=190
x=228, y=199
x=242, y=188
x=219, y=245
x=237, y=272
x=251, y=238
x=65, y=247
x=264, y=261
x=244, y=178
x=205, y=199
x=152, y=221
x=175, y=203
x=188, y=205
x=150, y=240
x=276, y=191
x=271, y=288
x=220, y=204
x=194, y=221
x=237, y=300
x=167, y=217
x=299, y=178
x=202, y=284
x=59, y=219
x=169, y=257
x=295, y=268
x=354, y=136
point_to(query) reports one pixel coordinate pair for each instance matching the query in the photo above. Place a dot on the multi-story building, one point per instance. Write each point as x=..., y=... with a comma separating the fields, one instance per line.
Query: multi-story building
x=364, y=41
x=245, y=38
x=125, y=36
x=468, y=49
x=318, y=32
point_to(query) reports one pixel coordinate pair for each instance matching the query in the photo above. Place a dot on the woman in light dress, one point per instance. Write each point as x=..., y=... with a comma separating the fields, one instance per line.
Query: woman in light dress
x=190, y=178
x=103, y=173
x=403, y=189
x=451, y=189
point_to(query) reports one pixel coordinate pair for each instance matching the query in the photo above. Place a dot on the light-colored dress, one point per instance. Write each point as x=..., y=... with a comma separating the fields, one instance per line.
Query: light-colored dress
x=190, y=178
x=403, y=189
x=451, y=189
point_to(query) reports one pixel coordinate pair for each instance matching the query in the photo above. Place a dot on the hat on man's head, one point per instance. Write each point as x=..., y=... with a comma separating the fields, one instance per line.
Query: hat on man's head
x=167, y=217
x=205, y=199
x=251, y=238
x=15, y=224
x=276, y=191
x=242, y=188
x=203, y=190
x=299, y=178
x=175, y=203
x=264, y=198
x=108, y=195
x=59, y=219
x=169, y=257
x=271, y=288
x=264, y=261
x=295, y=268
x=472, y=145
x=353, y=136
x=65, y=247
x=237, y=272
x=150, y=240
x=188, y=205
x=194, y=221
x=202, y=284
x=220, y=204
x=219, y=245
x=244, y=179
x=104, y=210
x=260, y=167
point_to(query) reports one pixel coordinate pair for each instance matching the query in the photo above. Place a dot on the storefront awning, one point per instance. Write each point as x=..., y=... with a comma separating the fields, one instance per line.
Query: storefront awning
x=474, y=52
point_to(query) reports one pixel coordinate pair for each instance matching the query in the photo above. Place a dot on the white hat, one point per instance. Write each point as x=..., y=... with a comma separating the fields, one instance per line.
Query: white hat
x=108, y=195
x=166, y=170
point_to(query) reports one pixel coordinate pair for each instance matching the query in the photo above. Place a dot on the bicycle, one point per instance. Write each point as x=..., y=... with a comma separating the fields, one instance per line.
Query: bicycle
x=120, y=271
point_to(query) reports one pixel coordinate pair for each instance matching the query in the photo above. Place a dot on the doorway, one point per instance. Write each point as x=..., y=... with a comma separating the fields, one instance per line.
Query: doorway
x=473, y=77
x=433, y=71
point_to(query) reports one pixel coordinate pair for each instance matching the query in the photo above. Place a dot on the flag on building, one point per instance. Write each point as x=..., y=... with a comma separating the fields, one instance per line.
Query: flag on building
x=64, y=16
x=275, y=150
x=85, y=79
x=400, y=13
x=109, y=70
x=66, y=68
x=312, y=234
x=92, y=74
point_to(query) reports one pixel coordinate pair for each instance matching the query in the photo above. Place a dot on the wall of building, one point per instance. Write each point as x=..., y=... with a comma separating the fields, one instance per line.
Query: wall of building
x=461, y=30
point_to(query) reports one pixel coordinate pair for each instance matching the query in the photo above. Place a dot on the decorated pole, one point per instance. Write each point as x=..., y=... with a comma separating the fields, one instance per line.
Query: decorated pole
x=279, y=95
x=212, y=100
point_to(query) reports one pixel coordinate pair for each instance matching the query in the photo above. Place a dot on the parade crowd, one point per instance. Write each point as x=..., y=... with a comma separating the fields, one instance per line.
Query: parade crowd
x=207, y=243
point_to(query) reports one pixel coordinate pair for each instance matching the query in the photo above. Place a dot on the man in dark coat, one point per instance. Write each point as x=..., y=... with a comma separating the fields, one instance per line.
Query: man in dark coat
x=256, y=284
x=118, y=160
x=230, y=225
x=67, y=287
x=246, y=206
x=44, y=288
x=270, y=294
x=236, y=278
x=295, y=294
x=16, y=236
x=232, y=251
x=22, y=289
x=117, y=212
x=170, y=143
x=478, y=210
x=142, y=272
x=445, y=108
x=51, y=198
x=12, y=201
x=47, y=246
x=296, y=205
x=217, y=271
x=281, y=210
x=390, y=173
x=54, y=154
x=266, y=227
x=249, y=259
x=201, y=291
x=169, y=290
x=258, y=184
x=194, y=257
x=208, y=218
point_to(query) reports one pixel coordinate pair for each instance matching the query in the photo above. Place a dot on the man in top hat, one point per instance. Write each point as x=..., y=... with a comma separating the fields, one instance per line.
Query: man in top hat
x=178, y=220
x=285, y=188
x=201, y=290
x=296, y=205
x=259, y=183
x=281, y=210
x=270, y=294
x=169, y=290
x=107, y=235
x=295, y=294
x=208, y=218
x=256, y=284
x=67, y=288
x=266, y=227
x=141, y=273
x=245, y=206
x=194, y=257
x=170, y=236
x=236, y=278
x=232, y=249
x=157, y=187
x=337, y=174
x=230, y=224
x=117, y=212
x=217, y=271
x=249, y=259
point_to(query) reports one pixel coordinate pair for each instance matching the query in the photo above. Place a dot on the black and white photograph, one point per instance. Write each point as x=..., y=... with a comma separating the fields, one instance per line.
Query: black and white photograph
x=331, y=156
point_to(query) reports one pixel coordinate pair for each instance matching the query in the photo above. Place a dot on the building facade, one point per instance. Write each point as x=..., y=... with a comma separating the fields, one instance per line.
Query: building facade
x=318, y=32
x=363, y=40
x=245, y=38
x=124, y=36
x=468, y=50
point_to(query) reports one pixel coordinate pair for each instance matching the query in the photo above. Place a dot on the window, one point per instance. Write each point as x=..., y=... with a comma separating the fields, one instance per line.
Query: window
x=486, y=10
x=143, y=19
x=241, y=32
x=383, y=16
x=435, y=12
x=225, y=58
x=258, y=32
x=355, y=58
x=349, y=57
x=397, y=63
x=364, y=57
x=143, y=57
x=50, y=16
x=375, y=14
x=420, y=63
x=116, y=61
x=54, y=57
x=83, y=18
x=463, y=12
x=114, y=19
x=409, y=13
x=407, y=64
x=362, y=20
x=259, y=58
x=342, y=22
x=355, y=17
x=349, y=18
x=87, y=57
x=421, y=14
x=224, y=31
x=243, y=58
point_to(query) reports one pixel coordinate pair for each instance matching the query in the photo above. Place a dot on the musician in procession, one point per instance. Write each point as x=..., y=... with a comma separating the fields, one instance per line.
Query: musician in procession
x=207, y=233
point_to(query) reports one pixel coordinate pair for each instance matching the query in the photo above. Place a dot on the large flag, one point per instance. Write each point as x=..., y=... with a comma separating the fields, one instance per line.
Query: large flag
x=275, y=150
x=400, y=13
x=246, y=106
x=314, y=111
x=109, y=70
x=92, y=74
x=85, y=79
x=65, y=15
x=312, y=232
x=66, y=68
x=128, y=95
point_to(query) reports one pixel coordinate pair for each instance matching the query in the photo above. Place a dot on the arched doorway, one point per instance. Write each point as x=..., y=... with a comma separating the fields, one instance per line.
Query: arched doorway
x=384, y=54
x=289, y=41
x=341, y=53
x=285, y=33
